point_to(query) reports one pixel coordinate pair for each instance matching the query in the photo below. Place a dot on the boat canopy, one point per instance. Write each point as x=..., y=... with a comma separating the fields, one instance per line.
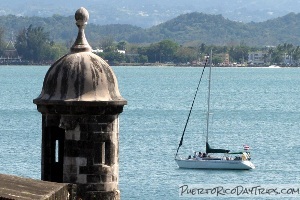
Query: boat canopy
x=210, y=150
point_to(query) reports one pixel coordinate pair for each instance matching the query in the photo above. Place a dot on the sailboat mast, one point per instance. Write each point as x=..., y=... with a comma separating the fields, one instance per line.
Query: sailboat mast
x=208, y=98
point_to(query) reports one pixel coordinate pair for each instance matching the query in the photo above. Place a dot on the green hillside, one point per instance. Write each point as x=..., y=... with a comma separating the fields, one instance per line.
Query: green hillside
x=63, y=29
x=215, y=29
x=185, y=29
x=210, y=29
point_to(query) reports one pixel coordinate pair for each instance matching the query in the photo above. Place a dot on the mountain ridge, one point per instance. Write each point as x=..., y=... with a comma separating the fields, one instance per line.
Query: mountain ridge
x=191, y=28
x=151, y=13
x=215, y=29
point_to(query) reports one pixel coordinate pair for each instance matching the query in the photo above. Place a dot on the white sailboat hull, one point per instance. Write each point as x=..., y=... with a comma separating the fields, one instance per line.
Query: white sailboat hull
x=214, y=164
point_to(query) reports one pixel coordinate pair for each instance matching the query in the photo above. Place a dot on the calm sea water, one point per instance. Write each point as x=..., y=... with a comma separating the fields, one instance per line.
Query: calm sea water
x=255, y=106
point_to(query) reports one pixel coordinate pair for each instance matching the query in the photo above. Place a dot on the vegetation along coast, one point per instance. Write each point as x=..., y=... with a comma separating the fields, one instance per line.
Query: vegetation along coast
x=182, y=41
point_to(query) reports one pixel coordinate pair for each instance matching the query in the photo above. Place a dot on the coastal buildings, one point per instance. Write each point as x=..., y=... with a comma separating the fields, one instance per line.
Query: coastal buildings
x=257, y=58
x=10, y=55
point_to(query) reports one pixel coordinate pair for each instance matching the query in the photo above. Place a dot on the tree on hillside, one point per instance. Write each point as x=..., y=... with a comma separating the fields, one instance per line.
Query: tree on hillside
x=186, y=54
x=2, y=42
x=34, y=44
x=21, y=44
x=202, y=48
x=239, y=53
x=121, y=45
x=114, y=57
x=168, y=49
x=296, y=54
x=30, y=43
x=107, y=44
x=163, y=51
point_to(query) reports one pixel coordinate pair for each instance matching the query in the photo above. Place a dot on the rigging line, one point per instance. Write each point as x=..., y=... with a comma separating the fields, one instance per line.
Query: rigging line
x=181, y=140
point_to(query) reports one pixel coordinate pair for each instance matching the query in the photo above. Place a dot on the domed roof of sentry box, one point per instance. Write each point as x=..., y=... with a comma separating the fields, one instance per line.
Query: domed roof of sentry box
x=80, y=76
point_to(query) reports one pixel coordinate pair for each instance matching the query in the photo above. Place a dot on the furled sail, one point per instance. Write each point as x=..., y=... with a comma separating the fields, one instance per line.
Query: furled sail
x=210, y=150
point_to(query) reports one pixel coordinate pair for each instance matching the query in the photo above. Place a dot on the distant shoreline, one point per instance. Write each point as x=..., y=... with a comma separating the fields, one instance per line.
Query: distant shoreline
x=27, y=63
x=191, y=65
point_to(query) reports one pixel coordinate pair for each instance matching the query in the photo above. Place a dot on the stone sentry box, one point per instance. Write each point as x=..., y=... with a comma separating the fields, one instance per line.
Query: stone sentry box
x=80, y=104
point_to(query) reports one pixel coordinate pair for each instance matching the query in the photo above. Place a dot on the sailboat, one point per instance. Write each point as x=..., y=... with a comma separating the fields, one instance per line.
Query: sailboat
x=213, y=158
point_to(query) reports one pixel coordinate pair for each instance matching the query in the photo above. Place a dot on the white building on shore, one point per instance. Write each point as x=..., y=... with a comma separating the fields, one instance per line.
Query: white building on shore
x=256, y=58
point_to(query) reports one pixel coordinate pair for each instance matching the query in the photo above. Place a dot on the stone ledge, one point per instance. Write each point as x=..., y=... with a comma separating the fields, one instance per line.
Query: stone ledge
x=115, y=195
x=14, y=187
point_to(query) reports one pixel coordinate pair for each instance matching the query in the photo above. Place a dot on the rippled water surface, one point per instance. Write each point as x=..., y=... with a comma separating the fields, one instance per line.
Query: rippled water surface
x=255, y=106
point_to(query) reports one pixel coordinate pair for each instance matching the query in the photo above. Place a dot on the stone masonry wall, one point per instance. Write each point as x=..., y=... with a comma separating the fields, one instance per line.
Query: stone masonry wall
x=91, y=154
